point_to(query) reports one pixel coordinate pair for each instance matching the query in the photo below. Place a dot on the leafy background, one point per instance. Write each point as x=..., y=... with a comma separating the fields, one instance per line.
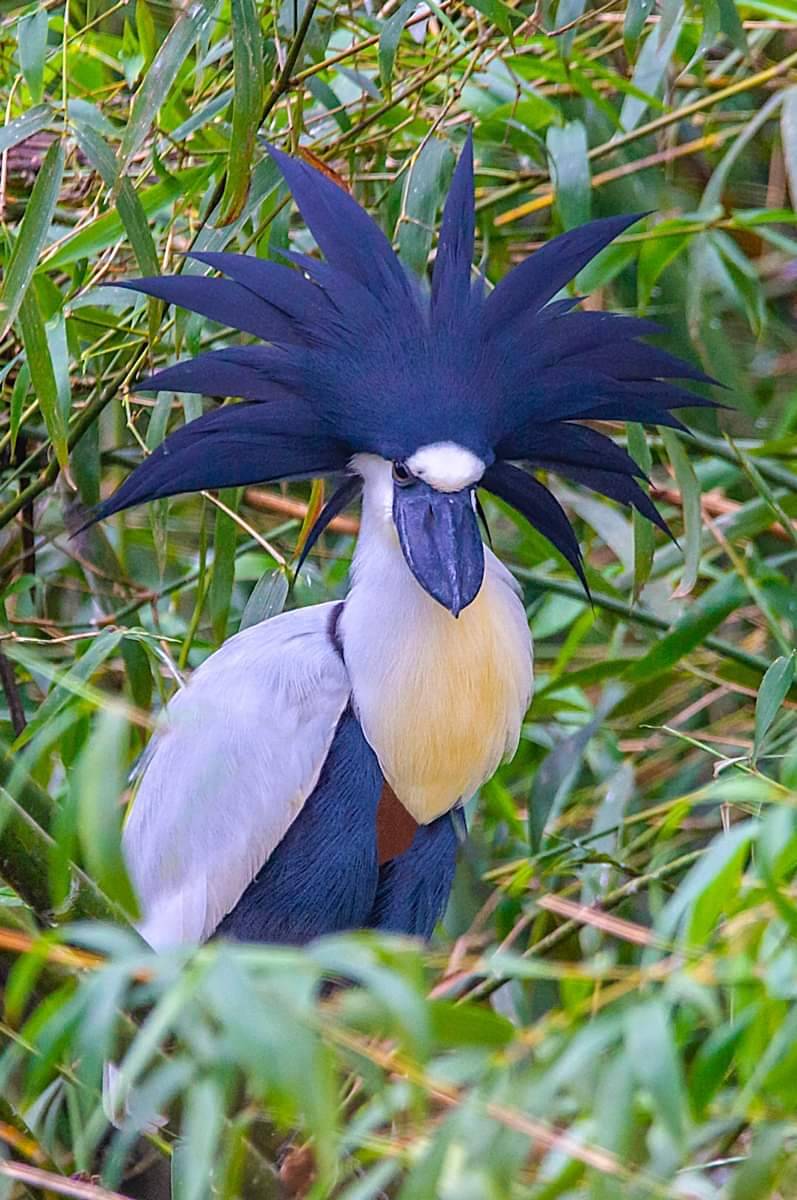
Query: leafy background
x=608, y=1009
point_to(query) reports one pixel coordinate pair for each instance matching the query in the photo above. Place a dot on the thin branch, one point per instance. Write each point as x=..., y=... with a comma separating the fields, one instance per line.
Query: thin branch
x=47, y=1181
x=16, y=709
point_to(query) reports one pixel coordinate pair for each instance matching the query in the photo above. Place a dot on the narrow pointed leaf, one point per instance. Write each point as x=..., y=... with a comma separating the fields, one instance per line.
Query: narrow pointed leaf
x=389, y=39
x=128, y=202
x=32, y=44
x=32, y=235
x=158, y=80
x=692, y=512
x=40, y=365
x=773, y=691
x=247, y=105
x=16, y=131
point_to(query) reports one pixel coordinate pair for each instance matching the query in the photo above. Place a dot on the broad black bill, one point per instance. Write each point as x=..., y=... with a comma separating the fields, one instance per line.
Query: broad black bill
x=440, y=539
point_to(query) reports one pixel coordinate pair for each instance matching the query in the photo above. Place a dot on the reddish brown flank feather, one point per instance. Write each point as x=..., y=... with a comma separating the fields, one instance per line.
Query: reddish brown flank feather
x=395, y=828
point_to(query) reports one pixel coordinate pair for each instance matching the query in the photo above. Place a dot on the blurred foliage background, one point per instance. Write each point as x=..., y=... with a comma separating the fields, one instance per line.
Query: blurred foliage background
x=608, y=1009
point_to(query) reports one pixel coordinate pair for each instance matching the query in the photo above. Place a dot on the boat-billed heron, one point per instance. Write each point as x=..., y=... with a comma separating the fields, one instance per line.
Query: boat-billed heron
x=310, y=777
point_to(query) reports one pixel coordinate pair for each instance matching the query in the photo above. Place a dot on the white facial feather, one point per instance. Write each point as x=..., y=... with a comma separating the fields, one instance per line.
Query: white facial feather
x=446, y=466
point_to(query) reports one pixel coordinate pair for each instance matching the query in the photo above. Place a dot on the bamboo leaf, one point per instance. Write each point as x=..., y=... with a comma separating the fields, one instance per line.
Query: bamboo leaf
x=692, y=512
x=32, y=47
x=70, y=684
x=247, y=105
x=654, y=1060
x=31, y=236
x=756, y=1177
x=98, y=783
x=267, y=599
x=773, y=691
x=223, y=565
x=701, y=617
x=731, y=25
x=636, y=13
x=389, y=39
x=644, y=538
x=496, y=11
x=102, y=232
x=155, y=86
x=128, y=202
x=651, y=66
x=658, y=250
x=425, y=188
x=788, y=133
x=568, y=150
x=42, y=373
x=554, y=780
x=32, y=122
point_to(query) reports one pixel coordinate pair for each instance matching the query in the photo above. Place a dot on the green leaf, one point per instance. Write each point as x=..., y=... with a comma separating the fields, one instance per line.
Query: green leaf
x=731, y=25
x=146, y=31
x=724, y=857
x=568, y=11
x=223, y=565
x=98, y=783
x=70, y=683
x=702, y=616
x=651, y=67
x=496, y=11
x=247, y=105
x=461, y=1025
x=659, y=249
x=32, y=47
x=754, y=1179
x=267, y=598
x=139, y=674
x=192, y=1167
x=31, y=122
x=788, y=134
x=773, y=691
x=19, y=395
x=654, y=1060
x=424, y=192
x=42, y=373
x=555, y=778
x=372, y=1184
x=568, y=152
x=743, y=280
x=32, y=235
x=128, y=202
x=325, y=95
x=101, y=233
x=764, y=490
x=636, y=13
x=776, y=851
x=715, y=1058
x=130, y=56
x=157, y=82
x=717, y=899
x=692, y=512
x=389, y=39
x=644, y=537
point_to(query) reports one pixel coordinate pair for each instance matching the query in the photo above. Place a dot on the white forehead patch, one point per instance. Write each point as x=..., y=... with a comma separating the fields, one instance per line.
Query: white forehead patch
x=446, y=466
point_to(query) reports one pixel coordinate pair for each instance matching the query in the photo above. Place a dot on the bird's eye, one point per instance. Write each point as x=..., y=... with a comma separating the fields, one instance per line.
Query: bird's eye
x=402, y=474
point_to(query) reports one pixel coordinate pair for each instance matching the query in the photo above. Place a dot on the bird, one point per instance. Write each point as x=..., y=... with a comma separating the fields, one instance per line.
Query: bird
x=310, y=778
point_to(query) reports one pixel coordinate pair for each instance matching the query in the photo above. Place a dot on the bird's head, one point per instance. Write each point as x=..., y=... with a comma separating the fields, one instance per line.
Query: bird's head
x=428, y=503
x=423, y=394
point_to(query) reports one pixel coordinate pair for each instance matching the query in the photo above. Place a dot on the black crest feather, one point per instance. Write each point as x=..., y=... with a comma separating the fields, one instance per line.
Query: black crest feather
x=355, y=354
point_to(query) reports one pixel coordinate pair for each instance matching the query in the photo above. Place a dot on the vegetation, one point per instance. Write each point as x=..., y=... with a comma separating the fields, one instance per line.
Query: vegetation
x=609, y=1008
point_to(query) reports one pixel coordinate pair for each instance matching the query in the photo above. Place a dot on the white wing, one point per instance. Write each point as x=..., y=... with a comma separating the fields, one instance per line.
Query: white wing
x=242, y=749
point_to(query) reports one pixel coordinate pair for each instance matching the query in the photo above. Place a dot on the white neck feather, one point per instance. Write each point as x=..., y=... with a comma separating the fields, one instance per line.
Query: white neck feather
x=440, y=700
